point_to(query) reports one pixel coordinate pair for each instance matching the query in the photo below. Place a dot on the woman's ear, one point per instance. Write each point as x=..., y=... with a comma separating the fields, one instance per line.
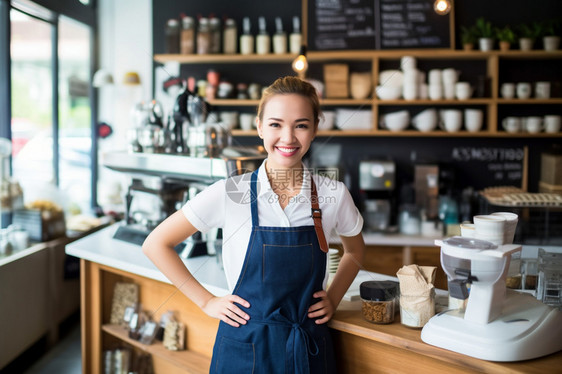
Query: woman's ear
x=259, y=127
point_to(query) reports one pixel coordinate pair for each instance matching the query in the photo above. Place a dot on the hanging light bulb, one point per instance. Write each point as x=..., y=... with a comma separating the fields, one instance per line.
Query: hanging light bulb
x=300, y=64
x=442, y=7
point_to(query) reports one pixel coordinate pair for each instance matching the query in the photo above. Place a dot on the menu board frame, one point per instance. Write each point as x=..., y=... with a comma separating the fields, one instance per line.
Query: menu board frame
x=359, y=42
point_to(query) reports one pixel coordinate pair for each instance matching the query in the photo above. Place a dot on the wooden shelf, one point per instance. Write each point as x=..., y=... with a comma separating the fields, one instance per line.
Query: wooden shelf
x=530, y=101
x=416, y=133
x=188, y=361
x=475, y=101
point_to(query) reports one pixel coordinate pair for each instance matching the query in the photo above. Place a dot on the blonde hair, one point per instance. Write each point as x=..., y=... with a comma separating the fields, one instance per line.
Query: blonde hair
x=291, y=85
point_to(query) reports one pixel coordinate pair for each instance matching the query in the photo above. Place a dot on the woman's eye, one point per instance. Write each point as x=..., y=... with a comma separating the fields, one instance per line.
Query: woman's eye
x=274, y=124
x=302, y=126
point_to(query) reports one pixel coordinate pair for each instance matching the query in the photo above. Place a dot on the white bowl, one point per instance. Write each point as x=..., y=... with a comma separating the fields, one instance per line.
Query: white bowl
x=388, y=92
x=396, y=121
x=391, y=78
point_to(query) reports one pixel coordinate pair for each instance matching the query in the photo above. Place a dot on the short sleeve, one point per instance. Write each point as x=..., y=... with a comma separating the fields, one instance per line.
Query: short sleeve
x=207, y=209
x=349, y=221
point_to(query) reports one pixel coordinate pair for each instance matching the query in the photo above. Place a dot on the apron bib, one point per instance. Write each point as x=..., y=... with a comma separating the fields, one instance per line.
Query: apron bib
x=283, y=267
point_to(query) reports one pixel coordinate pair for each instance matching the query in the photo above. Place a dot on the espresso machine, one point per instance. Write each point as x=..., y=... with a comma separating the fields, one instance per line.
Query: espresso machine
x=498, y=324
x=377, y=184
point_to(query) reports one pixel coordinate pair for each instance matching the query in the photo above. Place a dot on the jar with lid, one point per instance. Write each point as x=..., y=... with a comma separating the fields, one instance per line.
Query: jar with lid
x=215, y=29
x=203, y=37
x=246, y=39
x=295, y=39
x=187, y=37
x=172, y=36
x=263, y=43
x=279, y=38
x=379, y=301
x=230, y=37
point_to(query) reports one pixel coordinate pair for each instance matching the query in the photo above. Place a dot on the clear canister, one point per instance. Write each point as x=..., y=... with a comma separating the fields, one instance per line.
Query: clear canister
x=378, y=301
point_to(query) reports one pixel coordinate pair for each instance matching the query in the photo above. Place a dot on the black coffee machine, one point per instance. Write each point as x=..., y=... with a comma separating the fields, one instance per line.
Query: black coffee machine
x=377, y=185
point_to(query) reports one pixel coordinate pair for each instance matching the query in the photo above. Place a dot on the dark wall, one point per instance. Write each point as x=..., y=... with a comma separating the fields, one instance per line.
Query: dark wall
x=399, y=149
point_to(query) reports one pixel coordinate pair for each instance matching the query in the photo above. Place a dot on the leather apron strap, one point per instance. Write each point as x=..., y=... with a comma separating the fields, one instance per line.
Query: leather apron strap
x=317, y=217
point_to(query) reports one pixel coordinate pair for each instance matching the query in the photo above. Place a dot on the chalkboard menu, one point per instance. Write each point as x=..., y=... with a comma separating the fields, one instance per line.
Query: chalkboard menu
x=376, y=24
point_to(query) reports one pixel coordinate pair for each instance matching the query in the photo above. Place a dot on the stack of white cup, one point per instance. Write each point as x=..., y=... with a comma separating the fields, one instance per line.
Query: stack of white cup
x=408, y=64
x=498, y=228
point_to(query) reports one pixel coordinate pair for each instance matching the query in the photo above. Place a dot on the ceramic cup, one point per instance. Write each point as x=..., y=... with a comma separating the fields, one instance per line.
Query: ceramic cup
x=473, y=119
x=425, y=120
x=409, y=91
x=451, y=120
x=423, y=91
x=511, y=124
x=449, y=90
x=523, y=90
x=510, y=225
x=542, y=90
x=247, y=121
x=507, y=90
x=449, y=75
x=408, y=63
x=463, y=90
x=327, y=120
x=396, y=121
x=552, y=123
x=360, y=85
x=434, y=77
x=435, y=91
x=490, y=228
x=532, y=124
x=229, y=119
x=468, y=230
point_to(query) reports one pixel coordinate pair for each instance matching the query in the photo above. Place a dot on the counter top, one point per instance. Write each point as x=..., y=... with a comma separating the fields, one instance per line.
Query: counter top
x=100, y=247
x=399, y=240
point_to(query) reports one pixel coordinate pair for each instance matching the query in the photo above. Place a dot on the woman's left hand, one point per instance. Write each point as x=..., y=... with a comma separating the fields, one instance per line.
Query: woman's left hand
x=323, y=310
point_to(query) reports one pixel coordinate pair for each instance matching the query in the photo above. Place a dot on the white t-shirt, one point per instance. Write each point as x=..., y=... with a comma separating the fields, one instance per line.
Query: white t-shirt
x=226, y=204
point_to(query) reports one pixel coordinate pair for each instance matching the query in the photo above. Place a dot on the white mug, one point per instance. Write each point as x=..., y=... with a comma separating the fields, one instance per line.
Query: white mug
x=463, y=90
x=473, y=119
x=407, y=63
x=532, y=124
x=523, y=90
x=425, y=120
x=449, y=90
x=508, y=90
x=451, y=120
x=512, y=124
x=552, y=123
x=449, y=75
x=434, y=77
x=247, y=121
x=542, y=90
x=409, y=91
x=410, y=76
x=435, y=91
x=490, y=228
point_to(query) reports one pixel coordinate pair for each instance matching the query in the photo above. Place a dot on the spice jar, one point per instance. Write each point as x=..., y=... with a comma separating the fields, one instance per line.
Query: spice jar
x=203, y=37
x=215, y=29
x=295, y=39
x=230, y=37
x=378, y=301
x=187, y=35
x=172, y=36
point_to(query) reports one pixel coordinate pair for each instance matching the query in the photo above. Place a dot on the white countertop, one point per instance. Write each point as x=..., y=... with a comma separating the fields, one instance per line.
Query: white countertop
x=100, y=247
x=399, y=240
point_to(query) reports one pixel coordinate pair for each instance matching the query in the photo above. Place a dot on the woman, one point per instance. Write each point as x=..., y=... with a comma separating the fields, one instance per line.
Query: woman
x=273, y=247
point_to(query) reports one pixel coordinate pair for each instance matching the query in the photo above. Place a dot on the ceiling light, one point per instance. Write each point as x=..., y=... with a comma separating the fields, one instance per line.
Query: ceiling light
x=442, y=7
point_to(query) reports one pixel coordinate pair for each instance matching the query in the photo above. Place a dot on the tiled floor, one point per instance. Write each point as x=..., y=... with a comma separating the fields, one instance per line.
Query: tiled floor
x=62, y=358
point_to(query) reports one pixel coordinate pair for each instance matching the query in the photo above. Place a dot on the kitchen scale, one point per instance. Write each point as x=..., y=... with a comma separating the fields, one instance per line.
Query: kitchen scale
x=498, y=324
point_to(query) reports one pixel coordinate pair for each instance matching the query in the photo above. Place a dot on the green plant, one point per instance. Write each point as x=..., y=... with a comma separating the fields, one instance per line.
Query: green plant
x=484, y=28
x=505, y=34
x=530, y=30
x=469, y=34
x=551, y=27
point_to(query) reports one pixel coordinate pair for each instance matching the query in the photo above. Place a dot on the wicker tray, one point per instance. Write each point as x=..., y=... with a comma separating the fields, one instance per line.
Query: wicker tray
x=515, y=197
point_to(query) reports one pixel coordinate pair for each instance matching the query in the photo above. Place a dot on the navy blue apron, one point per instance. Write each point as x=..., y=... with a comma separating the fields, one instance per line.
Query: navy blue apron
x=283, y=267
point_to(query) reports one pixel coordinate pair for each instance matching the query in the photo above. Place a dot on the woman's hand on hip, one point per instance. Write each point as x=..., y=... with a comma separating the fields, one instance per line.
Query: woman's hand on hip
x=225, y=309
x=322, y=310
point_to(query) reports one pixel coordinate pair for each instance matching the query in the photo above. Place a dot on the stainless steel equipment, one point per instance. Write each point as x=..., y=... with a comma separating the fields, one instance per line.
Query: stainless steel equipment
x=377, y=183
x=498, y=324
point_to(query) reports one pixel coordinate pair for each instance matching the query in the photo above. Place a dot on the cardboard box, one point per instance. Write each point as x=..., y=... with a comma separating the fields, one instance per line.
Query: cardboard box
x=551, y=169
x=337, y=90
x=336, y=73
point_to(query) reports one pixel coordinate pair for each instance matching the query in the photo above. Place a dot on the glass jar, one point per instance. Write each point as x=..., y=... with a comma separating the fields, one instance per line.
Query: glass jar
x=230, y=37
x=187, y=35
x=215, y=29
x=378, y=301
x=203, y=37
x=172, y=36
x=409, y=220
x=549, y=286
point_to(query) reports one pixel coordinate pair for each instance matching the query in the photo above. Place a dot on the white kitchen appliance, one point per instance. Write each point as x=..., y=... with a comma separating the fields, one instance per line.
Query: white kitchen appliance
x=498, y=324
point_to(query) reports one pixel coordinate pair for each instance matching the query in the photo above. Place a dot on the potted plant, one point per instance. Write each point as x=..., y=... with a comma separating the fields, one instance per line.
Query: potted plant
x=485, y=33
x=506, y=37
x=528, y=32
x=468, y=37
x=551, y=35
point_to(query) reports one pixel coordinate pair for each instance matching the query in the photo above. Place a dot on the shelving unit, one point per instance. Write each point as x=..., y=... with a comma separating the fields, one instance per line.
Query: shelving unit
x=490, y=59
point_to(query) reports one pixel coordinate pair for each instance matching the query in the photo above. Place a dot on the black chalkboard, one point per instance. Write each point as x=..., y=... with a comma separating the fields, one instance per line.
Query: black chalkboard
x=376, y=24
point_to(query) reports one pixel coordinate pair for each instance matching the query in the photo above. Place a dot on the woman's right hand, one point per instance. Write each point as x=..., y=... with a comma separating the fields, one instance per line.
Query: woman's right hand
x=225, y=309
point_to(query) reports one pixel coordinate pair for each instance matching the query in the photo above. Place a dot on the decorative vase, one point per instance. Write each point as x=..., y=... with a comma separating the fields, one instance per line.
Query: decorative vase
x=468, y=46
x=486, y=44
x=504, y=46
x=526, y=44
x=551, y=43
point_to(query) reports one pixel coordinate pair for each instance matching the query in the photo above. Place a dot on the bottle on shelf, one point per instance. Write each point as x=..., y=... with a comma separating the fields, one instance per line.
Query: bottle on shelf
x=279, y=38
x=215, y=29
x=230, y=37
x=295, y=39
x=172, y=36
x=187, y=35
x=246, y=39
x=263, y=42
x=203, y=37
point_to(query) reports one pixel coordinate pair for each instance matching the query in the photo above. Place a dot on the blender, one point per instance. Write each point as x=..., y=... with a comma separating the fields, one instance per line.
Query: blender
x=498, y=324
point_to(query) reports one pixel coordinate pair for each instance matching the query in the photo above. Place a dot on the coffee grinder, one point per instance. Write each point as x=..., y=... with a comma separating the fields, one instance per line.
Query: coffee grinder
x=377, y=183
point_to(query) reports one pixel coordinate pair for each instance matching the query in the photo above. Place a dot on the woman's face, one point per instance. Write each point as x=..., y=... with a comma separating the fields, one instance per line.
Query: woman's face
x=287, y=129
